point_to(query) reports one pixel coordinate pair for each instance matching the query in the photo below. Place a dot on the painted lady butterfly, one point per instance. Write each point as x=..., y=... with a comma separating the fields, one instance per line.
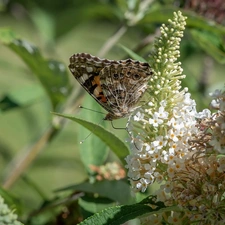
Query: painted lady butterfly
x=115, y=85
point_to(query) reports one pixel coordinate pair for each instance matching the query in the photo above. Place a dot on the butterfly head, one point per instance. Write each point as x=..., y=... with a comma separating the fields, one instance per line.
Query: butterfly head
x=113, y=116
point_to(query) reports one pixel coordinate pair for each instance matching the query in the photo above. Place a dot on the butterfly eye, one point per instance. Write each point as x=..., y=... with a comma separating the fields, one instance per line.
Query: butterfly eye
x=115, y=76
x=136, y=76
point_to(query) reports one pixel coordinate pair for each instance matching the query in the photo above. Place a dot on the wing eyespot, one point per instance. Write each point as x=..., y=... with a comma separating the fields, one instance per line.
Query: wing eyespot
x=136, y=76
x=128, y=73
x=116, y=76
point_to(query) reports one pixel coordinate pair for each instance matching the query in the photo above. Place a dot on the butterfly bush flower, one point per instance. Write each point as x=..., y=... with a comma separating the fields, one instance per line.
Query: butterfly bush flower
x=109, y=171
x=7, y=217
x=175, y=146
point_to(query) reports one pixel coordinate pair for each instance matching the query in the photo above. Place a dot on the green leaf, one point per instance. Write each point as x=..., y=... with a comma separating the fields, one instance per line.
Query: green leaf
x=211, y=43
x=121, y=214
x=7, y=36
x=122, y=5
x=51, y=74
x=115, y=144
x=21, y=97
x=132, y=54
x=11, y=200
x=201, y=23
x=93, y=204
x=118, y=191
x=93, y=151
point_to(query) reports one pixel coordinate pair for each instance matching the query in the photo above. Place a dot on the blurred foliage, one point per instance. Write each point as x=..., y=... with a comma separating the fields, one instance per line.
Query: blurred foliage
x=40, y=151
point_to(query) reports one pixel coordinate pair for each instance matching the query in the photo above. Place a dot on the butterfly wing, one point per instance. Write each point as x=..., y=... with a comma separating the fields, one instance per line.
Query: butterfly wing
x=124, y=83
x=115, y=85
x=86, y=69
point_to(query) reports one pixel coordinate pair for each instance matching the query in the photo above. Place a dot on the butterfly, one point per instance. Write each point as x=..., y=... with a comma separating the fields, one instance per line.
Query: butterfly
x=116, y=85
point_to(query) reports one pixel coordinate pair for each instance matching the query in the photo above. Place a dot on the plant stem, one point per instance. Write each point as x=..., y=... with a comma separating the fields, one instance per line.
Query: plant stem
x=31, y=153
x=24, y=159
x=112, y=41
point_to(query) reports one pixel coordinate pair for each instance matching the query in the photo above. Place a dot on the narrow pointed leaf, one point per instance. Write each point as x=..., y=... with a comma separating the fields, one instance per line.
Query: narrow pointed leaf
x=93, y=151
x=132, y=54
x=115, y=144
x=211, y=43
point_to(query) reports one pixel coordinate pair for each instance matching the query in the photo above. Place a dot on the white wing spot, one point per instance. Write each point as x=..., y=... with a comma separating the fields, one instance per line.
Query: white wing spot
x=89, y=69
x=85, y=76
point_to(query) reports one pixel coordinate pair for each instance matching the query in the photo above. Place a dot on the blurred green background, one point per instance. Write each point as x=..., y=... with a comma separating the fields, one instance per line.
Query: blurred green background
x=59, y=29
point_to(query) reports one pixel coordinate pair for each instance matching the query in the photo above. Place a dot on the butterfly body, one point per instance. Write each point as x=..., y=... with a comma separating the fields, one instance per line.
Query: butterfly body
x=116, y=85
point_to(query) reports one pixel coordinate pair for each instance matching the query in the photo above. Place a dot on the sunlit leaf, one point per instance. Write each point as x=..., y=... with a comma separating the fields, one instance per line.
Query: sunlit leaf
x=51, y=74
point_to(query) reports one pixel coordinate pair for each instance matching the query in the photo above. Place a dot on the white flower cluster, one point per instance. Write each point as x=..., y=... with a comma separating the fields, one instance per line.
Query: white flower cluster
x=177, y=150
x=175, y=146
x=166, y=142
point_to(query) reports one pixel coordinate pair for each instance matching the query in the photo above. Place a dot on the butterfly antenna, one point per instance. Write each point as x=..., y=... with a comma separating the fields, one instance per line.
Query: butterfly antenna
x=81, y=142
x=133, y=139
x=82, y=107
x=125, y=128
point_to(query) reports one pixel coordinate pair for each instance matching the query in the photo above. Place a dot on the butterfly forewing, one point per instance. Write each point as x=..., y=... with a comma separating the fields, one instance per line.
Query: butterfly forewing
x=86, y=69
